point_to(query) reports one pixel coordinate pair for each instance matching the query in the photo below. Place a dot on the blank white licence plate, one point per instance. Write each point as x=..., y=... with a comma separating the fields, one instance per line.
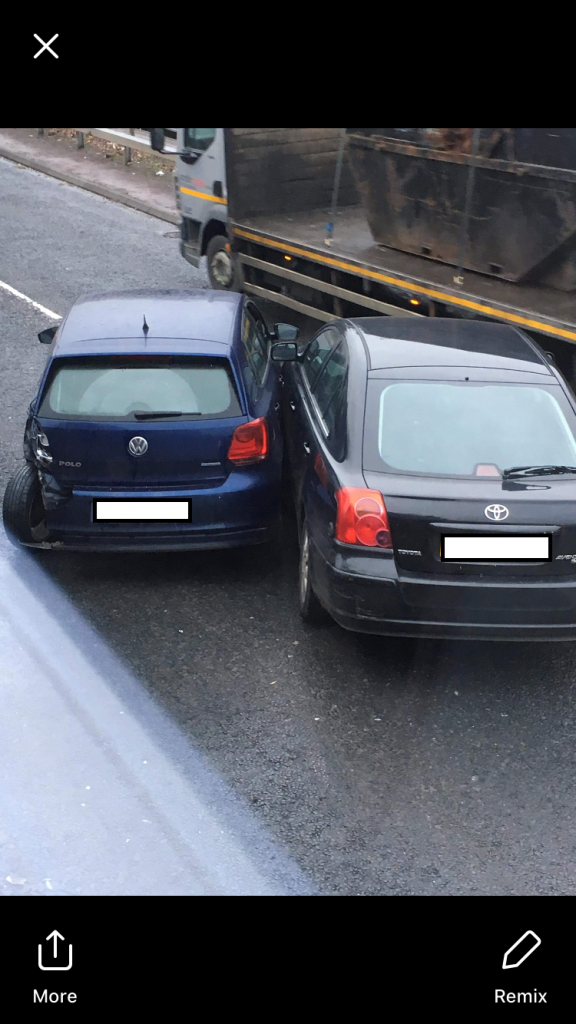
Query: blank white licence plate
x=142, y=511
x=496, y=549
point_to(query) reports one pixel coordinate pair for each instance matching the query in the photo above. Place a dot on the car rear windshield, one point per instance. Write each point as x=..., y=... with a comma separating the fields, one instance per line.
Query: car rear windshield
x=116, y=388
x=457, y=429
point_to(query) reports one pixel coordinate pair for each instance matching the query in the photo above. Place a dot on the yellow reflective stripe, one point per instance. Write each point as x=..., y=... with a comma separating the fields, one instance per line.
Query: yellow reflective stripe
x=409, y=286
x=203, y=195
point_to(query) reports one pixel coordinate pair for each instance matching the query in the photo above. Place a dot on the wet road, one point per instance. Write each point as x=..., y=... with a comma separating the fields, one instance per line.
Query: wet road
x=378, y=766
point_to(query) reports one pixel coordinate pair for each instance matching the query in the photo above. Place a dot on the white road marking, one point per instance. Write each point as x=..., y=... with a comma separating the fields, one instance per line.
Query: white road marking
x=31, y=302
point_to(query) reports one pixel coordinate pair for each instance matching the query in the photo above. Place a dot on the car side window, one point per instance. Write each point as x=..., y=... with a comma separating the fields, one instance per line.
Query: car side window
x=199, y=138
x=260, y=324
x=317, y=353
x=330, y=397
x=255, y=347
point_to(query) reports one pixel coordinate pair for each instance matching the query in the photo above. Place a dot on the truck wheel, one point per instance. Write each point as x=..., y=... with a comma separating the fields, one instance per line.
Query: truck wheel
x=223, y=268
x=311, y=611
x=23, y=509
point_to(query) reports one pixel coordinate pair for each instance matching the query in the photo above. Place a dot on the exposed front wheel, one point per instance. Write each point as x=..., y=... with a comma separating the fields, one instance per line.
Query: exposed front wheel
x=311, y=610
x=223, y=268
x=23, y=509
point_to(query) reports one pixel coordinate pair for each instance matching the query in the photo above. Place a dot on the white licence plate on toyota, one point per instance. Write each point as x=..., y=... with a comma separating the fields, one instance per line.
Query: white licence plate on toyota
x=497, y=549
x=136, y=511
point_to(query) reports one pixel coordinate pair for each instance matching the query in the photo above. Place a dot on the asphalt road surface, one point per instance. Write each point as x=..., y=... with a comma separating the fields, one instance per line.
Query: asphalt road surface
x=375, y=766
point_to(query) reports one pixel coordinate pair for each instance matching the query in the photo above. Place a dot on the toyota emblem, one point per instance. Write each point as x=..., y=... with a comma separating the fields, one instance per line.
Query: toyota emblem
x=497, y=513
x=138, y=446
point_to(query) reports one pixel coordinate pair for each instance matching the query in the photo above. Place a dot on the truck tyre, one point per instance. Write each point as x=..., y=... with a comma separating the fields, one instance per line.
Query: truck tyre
x=223, y=267
x=311, y=611
x=23, y=509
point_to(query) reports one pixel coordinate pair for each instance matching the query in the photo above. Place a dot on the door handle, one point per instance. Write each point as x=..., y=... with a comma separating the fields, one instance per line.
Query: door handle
x=277, y=407
x=307, y=448
x=293, y=406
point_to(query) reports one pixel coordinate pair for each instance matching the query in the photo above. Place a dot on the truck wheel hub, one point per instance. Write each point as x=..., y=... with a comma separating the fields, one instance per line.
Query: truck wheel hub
x=222, y=269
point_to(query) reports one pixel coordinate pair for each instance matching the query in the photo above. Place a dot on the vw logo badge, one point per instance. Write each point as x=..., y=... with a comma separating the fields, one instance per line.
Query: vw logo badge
x=138, y=446
x=497, y=513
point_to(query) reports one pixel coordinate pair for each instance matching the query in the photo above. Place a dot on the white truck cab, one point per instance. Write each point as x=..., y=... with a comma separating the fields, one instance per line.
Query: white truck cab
x=201, y=198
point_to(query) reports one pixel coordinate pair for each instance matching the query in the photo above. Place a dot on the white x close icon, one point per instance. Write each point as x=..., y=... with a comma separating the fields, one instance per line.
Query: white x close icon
x=46, y=46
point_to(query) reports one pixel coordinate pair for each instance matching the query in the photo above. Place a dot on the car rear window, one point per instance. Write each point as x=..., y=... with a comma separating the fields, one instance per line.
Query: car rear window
x=117, y=388
x=453, y=429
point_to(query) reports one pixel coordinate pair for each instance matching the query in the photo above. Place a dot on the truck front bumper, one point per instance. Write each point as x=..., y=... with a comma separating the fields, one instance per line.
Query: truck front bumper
x=190, y=253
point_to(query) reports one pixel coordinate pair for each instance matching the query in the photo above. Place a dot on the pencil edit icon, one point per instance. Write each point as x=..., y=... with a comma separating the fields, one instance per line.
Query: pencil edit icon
x=521, y=950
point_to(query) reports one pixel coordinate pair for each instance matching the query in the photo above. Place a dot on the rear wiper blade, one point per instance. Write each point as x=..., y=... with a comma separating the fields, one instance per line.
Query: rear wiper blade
x=159, y=415
x=538, y=470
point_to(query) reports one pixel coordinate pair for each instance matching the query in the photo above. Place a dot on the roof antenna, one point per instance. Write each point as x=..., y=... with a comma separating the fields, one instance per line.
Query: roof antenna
x=145, y=327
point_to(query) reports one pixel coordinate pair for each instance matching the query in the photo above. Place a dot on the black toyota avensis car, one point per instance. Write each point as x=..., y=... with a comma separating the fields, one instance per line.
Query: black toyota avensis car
x=434, y=472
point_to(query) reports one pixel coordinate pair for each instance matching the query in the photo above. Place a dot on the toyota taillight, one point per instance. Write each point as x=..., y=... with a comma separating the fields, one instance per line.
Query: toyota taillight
x=249, y=443
x=362, y=518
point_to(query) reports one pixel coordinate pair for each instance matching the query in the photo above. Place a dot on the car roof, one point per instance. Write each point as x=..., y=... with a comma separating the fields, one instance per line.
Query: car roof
x=182, y=321
x=432, y=341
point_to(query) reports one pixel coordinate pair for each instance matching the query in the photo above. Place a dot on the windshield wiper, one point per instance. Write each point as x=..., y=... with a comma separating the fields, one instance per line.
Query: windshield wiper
x=159, y=415
x=538, y=471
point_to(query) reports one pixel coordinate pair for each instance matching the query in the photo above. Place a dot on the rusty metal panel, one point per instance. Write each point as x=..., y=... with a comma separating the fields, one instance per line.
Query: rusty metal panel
x=274, y=171
x=522, y=224
x=493, y=141
x=547, y=147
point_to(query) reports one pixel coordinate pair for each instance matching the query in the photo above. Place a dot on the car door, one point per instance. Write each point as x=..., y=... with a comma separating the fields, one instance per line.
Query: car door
x=200, y=173
x=261, y=374
x=299, y=415
x=325, y=447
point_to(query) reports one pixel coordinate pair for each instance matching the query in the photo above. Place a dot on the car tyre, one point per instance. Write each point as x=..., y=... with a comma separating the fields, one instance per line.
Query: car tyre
x=224, y=270
x=311, y=611
x=23, y=509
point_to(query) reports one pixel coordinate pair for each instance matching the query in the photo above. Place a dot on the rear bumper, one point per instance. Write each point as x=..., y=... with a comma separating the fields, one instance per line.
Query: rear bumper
x=200, y=541
x=244, y=510
x=367, y=595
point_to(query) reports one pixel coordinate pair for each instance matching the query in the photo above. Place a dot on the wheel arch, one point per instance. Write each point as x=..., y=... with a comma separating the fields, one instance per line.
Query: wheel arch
x=213, y=227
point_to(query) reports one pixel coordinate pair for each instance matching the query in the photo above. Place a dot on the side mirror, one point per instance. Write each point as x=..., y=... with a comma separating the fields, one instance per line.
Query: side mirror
x=285, y=352
x=47, y=337
x=157, y=139
x=285, y=332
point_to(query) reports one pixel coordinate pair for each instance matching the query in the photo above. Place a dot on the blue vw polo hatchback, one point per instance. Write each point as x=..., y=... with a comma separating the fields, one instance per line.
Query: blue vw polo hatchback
x=155, y=427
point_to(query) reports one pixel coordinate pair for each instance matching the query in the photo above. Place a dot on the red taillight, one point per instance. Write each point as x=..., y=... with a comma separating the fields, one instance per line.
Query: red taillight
x=362, y=518
x=249, y=443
